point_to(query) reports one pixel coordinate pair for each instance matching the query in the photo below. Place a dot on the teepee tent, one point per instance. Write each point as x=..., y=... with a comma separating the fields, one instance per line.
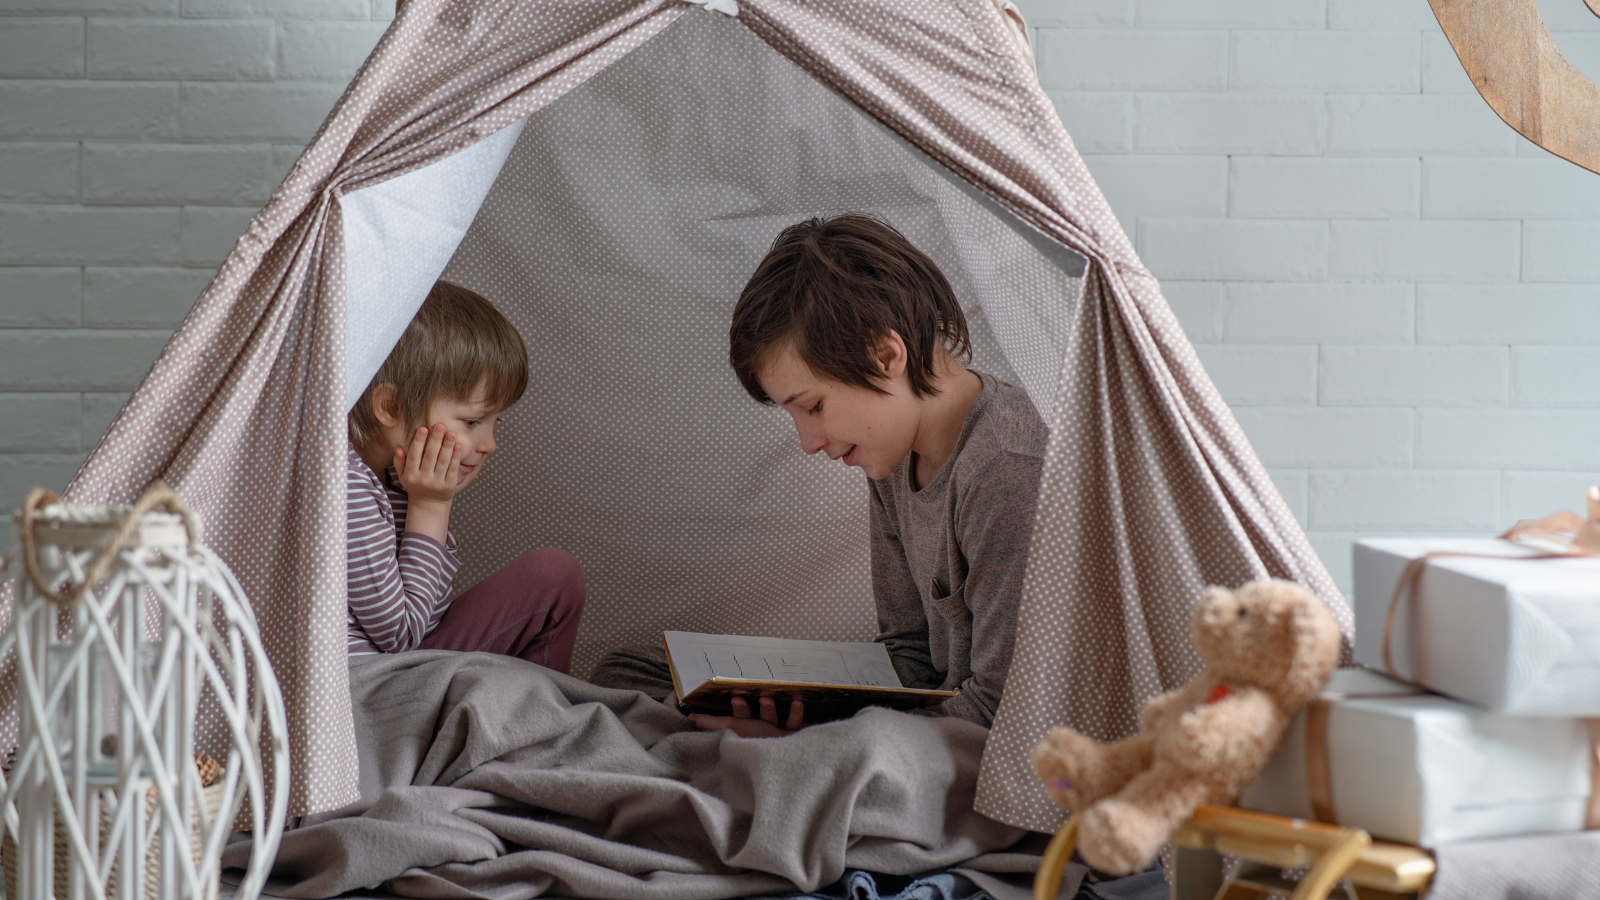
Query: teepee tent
x=608, y=173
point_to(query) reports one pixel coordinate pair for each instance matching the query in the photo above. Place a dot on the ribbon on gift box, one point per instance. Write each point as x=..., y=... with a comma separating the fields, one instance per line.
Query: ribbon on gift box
x=1570, y=536
x=1319, y=772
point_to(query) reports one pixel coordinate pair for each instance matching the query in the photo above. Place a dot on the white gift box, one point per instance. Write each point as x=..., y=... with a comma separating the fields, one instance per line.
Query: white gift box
x=1429, y=770
x=1510, y=634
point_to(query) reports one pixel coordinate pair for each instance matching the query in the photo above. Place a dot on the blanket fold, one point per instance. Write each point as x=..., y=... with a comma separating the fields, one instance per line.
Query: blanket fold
x=485, y=776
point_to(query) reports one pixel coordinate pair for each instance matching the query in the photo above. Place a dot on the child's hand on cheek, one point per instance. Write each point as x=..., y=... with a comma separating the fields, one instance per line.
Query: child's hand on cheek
x=430, y=468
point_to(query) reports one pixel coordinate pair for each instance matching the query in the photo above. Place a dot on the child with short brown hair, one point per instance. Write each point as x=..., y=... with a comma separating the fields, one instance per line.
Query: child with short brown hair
x=856, y=333
x=419, y=435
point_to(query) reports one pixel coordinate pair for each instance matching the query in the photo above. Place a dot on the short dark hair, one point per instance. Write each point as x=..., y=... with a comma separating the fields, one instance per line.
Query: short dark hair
x=832, y=288
x=456, y=341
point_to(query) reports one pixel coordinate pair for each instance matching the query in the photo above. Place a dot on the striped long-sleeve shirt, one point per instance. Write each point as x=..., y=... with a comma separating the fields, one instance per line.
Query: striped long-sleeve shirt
x=399, y=581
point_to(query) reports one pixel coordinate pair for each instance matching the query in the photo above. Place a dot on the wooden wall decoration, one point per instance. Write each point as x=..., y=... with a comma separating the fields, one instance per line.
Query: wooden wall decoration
x=1517, y=67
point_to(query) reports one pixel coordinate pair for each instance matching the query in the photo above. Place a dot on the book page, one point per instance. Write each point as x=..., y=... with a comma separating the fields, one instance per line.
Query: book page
x=697, y=658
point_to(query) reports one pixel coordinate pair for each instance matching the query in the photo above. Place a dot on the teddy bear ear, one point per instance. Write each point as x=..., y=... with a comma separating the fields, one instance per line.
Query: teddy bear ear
x=1316, y=647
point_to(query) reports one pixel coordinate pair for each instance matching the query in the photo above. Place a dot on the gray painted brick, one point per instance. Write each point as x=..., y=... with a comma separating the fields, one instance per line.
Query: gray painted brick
x=284, y=157
x=39, y=173
x=1200, y=307
x=209, y=233
x=177, y=173
x=1508, y=314
x=1381, y=14
x=1344, y=61
x=67, y=235
x=1136, y=60
x=1262, y=375
x=1415, y=125
x=77, y=360
x=1337, y=551
x=277, y=9
x=1137, y=185
x=1546, y=188
x=1337, y=312
x=99, y=410
x=40, y=423
x=1556, y=376
x=39, y=297
x=1294, y=487
x=1414, y=376
x=140, y=297
x=1441, y=68
x=1045, y=13
x=325, y=51
x=1286, y=124
x=1561, y=251
x=1299, y=436
x=1534, y=495
x=1232, y=13
x=1405, y=499
x=1098, y=123
x=1581, y=48
x=1313, y=187
x=1234, y=249
x=255, y=112
x=158, y=49
x=89, y=7
x=76, y=110
x=1437, y=250
x=1559, y=15
x=21, y=472
x=41, y=48
x=1507, y=438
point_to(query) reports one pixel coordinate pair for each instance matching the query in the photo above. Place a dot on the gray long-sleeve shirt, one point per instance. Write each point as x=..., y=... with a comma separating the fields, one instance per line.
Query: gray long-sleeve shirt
x=948, y=560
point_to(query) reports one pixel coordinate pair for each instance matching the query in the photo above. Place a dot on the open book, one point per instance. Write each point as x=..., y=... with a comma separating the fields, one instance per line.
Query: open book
x=833, y=678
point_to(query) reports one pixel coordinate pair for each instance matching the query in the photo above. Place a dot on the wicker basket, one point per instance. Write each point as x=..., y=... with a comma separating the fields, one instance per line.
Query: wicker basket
x=212, y=797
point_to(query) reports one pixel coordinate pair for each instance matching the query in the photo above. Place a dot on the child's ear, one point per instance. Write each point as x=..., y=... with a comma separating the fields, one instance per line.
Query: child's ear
x=892, y=355
x=383, y=405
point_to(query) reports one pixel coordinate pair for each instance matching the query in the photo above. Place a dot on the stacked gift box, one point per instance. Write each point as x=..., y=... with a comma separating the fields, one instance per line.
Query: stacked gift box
x=1493, y=730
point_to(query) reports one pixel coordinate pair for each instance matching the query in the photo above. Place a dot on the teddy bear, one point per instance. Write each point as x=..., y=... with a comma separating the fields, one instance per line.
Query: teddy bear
x=1268, y=648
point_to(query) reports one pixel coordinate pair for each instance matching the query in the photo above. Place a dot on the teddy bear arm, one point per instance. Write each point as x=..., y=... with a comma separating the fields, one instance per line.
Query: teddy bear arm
x=1236, y=733
x=1163, y=707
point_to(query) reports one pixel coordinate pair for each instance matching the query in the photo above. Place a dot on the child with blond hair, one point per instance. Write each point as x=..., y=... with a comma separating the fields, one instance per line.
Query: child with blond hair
x=420, y=435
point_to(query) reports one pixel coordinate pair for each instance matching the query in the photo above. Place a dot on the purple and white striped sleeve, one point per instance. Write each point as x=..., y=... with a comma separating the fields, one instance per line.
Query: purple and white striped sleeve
x=399, y=584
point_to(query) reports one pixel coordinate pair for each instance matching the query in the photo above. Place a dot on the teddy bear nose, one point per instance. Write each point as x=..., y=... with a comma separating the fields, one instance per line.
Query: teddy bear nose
x=1243, y=612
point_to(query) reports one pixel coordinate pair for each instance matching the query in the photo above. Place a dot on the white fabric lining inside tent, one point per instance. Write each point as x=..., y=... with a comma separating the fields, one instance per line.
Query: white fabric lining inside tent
x=398, y=236
x=619, y=232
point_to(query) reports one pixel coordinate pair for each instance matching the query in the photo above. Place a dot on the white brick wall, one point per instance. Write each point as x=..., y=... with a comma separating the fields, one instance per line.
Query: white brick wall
x=137, y=137
x=1398, y=294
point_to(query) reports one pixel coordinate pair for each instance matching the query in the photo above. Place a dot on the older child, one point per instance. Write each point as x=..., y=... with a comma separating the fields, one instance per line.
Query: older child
x=857, y=334
x=419, y=435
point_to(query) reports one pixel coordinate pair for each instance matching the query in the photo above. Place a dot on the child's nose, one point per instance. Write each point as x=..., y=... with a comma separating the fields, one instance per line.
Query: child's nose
x=812, y=441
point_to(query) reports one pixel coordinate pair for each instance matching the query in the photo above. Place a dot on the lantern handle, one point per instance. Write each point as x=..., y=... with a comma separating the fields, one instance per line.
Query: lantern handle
x=158, y=494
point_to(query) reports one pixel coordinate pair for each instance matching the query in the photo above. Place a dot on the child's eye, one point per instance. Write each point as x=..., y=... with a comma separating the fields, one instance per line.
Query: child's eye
x=473, y=423
x=816, y=409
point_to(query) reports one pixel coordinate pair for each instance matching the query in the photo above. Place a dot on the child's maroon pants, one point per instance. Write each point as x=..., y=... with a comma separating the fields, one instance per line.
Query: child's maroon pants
x=529, y=609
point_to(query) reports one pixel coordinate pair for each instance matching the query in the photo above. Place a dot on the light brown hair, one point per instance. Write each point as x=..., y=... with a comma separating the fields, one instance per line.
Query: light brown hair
x=457, y=341
x=832, y=288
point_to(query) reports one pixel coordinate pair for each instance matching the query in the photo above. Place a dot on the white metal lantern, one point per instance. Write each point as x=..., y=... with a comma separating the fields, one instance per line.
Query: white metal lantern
x=127, y=631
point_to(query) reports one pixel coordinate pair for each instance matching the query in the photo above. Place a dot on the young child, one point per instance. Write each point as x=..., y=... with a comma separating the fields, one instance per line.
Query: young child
x=857, y=334
x=419, y=435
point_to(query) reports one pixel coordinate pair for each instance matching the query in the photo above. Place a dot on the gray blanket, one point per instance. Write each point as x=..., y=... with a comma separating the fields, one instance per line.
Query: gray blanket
x=486, y=776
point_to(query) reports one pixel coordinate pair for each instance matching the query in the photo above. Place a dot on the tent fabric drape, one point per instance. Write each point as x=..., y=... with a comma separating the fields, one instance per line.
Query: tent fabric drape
x=243, y=413
x=1150, y=490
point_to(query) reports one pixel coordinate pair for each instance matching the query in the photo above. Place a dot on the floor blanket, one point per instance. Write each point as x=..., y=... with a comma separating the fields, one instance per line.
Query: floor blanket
x=487, y=776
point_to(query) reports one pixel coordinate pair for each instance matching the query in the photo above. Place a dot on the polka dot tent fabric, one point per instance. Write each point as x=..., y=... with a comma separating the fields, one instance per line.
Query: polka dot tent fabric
x=665, y=145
